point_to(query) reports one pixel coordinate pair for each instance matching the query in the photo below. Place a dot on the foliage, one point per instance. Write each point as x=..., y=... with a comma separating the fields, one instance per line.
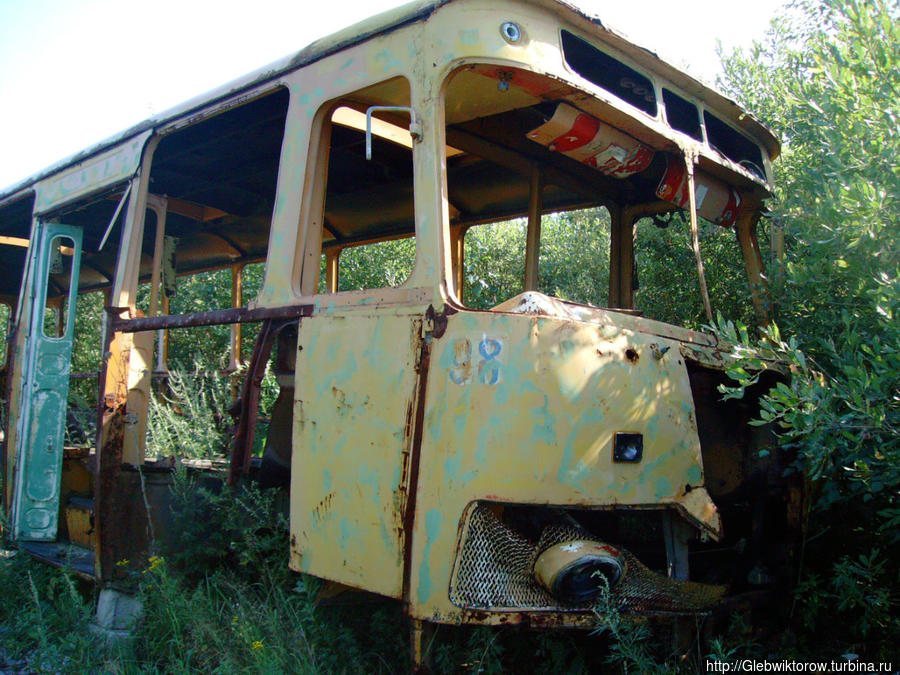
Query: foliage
x=219, y=625
x=629, y=639
x=386, y=263
x=213, y=527
x=839, y=185
x=188, y=418
x=668, y=287
x=39, y=607
x=5, y=312
x=573, y=265
x=204, y=345
x=574, y=256
x=828, y=80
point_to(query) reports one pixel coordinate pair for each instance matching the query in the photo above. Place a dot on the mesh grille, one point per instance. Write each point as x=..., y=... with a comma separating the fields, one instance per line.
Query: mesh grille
x=493, y=571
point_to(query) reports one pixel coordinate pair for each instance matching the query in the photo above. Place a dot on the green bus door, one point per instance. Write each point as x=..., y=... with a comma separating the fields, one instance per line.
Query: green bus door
x=54, y=264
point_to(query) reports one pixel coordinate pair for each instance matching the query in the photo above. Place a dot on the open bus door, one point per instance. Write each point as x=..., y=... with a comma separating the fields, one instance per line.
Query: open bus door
x=45, y=382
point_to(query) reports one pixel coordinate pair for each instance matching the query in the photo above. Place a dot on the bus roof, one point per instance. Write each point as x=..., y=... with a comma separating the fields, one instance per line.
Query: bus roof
x=384, y=23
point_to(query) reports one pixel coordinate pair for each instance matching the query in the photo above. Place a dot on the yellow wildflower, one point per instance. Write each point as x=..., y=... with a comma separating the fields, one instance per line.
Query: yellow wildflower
x=257, y=645
x=123, y=562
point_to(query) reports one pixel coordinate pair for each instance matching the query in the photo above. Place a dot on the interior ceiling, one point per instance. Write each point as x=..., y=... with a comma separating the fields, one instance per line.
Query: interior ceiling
x=15, y=222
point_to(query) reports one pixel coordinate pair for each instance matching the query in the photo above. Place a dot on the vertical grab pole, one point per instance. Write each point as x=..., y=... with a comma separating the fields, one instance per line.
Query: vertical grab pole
x=533, y=239
x=237, y=300
x=332, y=272
x=158, y=206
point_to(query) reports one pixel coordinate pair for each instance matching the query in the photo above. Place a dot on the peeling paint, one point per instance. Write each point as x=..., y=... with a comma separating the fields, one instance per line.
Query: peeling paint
x=432, y=528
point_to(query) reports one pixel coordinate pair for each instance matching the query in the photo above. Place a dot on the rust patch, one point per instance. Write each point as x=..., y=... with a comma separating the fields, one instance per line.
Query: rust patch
x=121, y=518
x=439, y=320
x=632, y=355
x=8, y=391
x=529, y=619
x=110, y=465
x=340, y=402
x=409, y=513
x=216, y=317
x=323, y=508
x=407, y=431
x=462, y=355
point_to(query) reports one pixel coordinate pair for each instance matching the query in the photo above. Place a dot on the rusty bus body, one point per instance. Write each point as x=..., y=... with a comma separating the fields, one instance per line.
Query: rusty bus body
x=470, y=463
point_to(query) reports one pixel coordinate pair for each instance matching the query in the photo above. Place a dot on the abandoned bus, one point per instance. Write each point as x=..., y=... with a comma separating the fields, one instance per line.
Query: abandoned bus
x=483, y=465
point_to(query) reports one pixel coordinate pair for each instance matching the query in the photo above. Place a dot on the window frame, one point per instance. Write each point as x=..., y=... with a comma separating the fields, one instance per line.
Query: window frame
x=317, y=163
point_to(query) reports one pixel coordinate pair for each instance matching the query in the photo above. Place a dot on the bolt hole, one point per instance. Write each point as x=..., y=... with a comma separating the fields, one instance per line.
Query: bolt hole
x=632, y=355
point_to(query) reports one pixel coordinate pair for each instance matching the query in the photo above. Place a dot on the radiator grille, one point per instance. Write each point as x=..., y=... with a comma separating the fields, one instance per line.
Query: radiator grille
x=493, y=571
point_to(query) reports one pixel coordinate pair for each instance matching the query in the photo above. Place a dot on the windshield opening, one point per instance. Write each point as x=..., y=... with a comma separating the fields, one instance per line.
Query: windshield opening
x=543, y=195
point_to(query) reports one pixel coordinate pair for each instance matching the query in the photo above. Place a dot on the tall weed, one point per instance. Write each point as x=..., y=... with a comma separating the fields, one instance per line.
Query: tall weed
x=189, y=417
x=44, y=618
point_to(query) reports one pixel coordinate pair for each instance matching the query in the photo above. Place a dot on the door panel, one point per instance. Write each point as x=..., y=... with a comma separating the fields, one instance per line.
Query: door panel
x=45, y=383
x=353, y=419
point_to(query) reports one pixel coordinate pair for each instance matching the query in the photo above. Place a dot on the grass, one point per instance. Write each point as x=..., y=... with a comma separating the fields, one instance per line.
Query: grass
x=227, y=603
x=221, y=599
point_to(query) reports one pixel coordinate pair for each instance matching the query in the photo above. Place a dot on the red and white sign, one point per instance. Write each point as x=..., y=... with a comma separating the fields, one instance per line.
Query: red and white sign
x=588, y=140
x=716, y=201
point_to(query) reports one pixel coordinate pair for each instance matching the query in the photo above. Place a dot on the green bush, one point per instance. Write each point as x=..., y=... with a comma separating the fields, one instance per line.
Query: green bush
x=827, y=79
x=44, y=616
x=188, y=418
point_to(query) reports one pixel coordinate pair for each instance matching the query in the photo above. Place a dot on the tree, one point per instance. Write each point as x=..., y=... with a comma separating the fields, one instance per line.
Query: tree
x=828, y=80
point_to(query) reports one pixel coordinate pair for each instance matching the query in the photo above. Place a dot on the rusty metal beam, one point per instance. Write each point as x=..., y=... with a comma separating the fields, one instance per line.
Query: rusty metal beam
x=242, y=443
x=217, y=317
x=439, y=324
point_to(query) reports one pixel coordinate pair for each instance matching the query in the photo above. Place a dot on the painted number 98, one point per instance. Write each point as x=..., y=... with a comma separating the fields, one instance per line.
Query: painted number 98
x=488, y=368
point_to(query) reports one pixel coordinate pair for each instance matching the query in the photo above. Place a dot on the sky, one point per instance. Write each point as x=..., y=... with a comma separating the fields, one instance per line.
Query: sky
x=74, y=72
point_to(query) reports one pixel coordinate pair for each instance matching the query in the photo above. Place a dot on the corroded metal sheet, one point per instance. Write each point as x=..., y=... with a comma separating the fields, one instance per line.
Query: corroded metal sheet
x=524, y=409
x=45, y=386
x=110, y=167
x=353, y=419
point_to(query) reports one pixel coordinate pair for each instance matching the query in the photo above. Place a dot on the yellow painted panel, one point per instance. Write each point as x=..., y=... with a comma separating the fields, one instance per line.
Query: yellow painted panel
x=140, y=365
x=355, y=388
x=81, y=529
x=524, y=409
